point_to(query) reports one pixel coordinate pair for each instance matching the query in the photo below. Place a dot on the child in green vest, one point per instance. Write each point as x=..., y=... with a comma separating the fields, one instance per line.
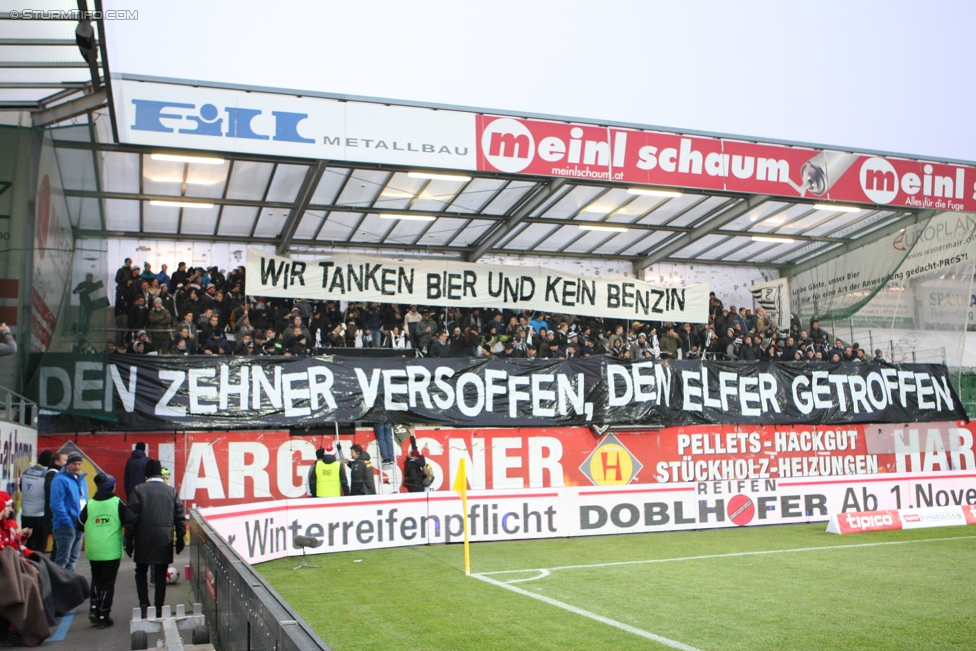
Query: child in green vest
x=102, y=520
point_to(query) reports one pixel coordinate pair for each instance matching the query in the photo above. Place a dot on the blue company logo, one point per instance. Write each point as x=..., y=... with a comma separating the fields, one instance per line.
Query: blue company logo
x=149, y=114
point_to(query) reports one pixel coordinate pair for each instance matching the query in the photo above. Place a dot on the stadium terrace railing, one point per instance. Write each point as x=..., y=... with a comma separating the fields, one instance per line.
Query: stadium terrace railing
x=15, y=408
x=243, y=612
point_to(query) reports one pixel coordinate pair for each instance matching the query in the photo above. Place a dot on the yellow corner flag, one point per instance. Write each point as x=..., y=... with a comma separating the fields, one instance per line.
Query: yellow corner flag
x=461, y=488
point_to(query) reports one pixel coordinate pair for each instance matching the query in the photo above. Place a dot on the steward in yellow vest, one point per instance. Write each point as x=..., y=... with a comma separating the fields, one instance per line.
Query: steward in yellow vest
x=327, y=477
x=102, y=520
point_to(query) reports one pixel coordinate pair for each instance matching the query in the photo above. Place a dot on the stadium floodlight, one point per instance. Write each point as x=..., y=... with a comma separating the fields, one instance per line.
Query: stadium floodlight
x=778, y=240
x=832, y=207
x=180, y=204
x=416, y=218
x=178, y=158
x=654, y=193
x=460, y=178
x=600, y=227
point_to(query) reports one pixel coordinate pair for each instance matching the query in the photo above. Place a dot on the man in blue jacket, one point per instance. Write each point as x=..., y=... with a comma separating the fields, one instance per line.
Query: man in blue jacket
x=69, y=494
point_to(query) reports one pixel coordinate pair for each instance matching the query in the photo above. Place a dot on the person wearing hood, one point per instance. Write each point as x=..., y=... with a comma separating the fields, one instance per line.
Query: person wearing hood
x=69, y=494
x=101, y=521
x=33, y=502
x=360, y=472
x=154, y=519
x=327, y=477
x=135, y=468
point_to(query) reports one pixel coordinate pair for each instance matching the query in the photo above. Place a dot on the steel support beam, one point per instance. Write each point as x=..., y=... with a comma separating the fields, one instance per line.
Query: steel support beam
x=312, y=178
x=715, y=223
x=853, y=245
x=67, y=110
x=492, y=237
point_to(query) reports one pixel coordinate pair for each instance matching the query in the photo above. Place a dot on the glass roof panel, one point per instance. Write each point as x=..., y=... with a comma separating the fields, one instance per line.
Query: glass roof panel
x=406, y=231
x=249, y=181
x=560, y=238
x=808, y=249
x=621, y=242
x=589, y=241
x=573, y=201
x=39, y=29
x=643, y=244
x=470, y=233
x=199, y=221
x=699, y=246
x=610, y=202
x=122, y=215
x=74, y=133
x=668, y=209
x=529, y=236
x=507, y=198
x=441, y=232
x=437, y=195
x=160, y=219
x=40, y=53
x=777, y=252
x=475, y=195
x=206, y=181
x=339, y=226
x=120, y=172
x=373, y=229
x=328, y=187
x=45, y=75
x=399, y=192
x=162, y=177
x=77, y=169
x=815, y=218
x=10, y=95
x=237, y=221
x=747, y=252
x=90, y=217
x=363, y=187
x=776, y=211
x=880, y=221
x=724, y=248
x=309, y=224
x=287, y=182
x=695, y=214
x=851, y=222
x=270, y=222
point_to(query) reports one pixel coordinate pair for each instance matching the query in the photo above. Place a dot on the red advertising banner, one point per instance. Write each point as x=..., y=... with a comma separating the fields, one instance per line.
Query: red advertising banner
x=227, y=468
x=559, y=149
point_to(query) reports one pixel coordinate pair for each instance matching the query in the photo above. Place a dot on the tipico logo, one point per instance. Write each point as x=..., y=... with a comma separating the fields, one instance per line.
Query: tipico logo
x=508, y=145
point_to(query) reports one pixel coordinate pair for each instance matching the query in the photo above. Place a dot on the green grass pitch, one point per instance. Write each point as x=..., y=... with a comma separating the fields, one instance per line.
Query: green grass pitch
x=886, y=590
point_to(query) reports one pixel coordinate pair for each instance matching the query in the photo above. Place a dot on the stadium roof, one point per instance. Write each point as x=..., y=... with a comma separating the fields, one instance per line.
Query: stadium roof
x=298, y=203
x=51, y=62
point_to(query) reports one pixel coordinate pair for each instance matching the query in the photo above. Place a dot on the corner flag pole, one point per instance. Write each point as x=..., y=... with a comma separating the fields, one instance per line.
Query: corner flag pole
x=461, y=488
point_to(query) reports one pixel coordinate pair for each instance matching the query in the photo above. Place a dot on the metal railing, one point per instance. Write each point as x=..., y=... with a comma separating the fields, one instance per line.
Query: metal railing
x=15, y=408
x=243, y=611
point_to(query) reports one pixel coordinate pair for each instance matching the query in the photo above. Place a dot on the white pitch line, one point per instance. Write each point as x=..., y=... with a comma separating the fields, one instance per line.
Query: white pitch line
x=674, y=644
x=544, y=572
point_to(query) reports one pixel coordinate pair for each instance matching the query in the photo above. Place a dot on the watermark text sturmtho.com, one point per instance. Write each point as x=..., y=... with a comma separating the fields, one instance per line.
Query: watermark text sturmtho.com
x=73, y=14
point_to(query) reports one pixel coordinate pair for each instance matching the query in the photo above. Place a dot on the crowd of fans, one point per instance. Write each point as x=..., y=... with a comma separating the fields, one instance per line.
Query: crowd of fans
x=198, y=311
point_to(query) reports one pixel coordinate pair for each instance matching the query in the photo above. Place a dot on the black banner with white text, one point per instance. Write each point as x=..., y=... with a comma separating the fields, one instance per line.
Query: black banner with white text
x=128, y=392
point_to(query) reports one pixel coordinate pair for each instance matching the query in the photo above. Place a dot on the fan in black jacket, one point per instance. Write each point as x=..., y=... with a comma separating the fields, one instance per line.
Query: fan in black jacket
x=360, y=472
